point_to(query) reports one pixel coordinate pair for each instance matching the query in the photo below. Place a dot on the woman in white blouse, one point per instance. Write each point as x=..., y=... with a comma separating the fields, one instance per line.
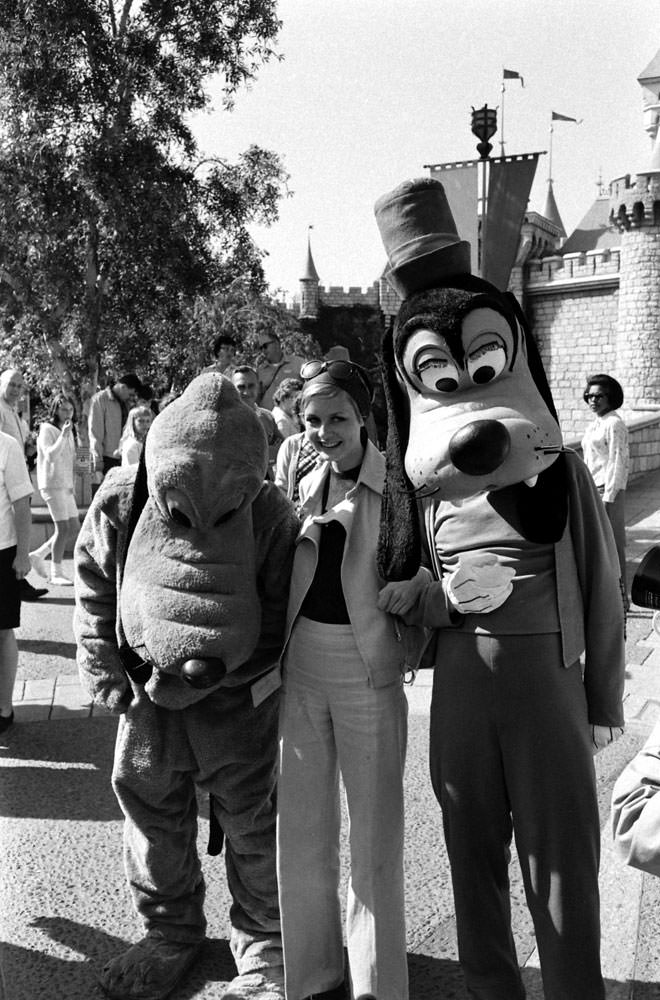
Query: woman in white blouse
x=605, y=450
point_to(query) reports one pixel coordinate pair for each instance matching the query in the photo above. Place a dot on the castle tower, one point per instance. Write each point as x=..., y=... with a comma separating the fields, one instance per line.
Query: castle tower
x=309, y=286
x=551, y=212
x=635, y=210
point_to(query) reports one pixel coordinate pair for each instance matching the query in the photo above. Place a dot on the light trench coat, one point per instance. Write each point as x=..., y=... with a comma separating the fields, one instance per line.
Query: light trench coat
x=384, y=643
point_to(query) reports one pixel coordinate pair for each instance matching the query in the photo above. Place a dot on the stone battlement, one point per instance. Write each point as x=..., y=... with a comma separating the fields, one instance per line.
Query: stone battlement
x=574, y=270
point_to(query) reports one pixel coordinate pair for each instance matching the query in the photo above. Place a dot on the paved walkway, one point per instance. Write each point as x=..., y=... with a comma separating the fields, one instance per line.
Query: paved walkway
x=64, y=907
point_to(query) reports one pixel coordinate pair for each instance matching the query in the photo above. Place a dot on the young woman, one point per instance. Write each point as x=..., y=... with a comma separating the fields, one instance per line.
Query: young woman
x=284, y=411
x=56, y=455
x=134, y=434
x=343, y=712
x=606, y=455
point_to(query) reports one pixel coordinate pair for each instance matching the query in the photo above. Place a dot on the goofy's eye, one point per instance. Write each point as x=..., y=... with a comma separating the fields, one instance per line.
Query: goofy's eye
x=435, y=370
x=179, y=517
x=486, y=360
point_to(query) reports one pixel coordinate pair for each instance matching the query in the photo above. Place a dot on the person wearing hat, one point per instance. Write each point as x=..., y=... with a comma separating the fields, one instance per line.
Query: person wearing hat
x=274, y=368
x=524, y=603
x=344, y=713
x=108, y=410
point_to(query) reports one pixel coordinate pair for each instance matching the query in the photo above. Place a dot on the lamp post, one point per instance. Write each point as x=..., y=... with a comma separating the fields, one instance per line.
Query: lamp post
x=484, y=127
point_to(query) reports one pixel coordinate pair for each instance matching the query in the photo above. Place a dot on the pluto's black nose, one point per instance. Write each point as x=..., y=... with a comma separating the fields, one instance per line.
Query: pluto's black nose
x=203, y=673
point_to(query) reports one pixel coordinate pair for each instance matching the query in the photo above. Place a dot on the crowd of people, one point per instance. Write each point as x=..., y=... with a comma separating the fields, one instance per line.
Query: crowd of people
x=317, y=417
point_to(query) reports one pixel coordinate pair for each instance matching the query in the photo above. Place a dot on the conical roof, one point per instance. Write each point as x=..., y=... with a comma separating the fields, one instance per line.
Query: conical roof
x=551, y=212
x=594, y=231
x=652, y=71
x=311, y=273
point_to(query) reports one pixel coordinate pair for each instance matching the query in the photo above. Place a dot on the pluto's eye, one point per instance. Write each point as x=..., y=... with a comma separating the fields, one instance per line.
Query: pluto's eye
x=436, y=370
x=487, y=360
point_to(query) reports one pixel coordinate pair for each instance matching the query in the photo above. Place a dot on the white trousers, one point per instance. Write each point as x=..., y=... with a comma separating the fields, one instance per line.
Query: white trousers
x=332, y=722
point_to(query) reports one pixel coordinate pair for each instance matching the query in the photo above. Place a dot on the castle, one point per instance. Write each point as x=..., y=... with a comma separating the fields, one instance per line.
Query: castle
x=593, y=298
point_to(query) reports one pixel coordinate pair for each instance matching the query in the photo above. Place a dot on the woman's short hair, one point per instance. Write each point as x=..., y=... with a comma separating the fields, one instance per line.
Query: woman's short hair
x=327, y=391
x=611, y=388
x=286, y=388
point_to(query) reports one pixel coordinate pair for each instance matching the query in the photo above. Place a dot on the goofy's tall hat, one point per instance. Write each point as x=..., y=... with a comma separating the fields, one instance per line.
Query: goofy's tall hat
x=469, y=407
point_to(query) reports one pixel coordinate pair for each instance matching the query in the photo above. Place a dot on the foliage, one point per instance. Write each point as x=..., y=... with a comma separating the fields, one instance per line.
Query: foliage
x=113, y=225
x=240, y=313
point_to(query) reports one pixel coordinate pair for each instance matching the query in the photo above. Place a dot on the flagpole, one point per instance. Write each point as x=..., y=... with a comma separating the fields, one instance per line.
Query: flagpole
x=502, y=119
x=550, y=150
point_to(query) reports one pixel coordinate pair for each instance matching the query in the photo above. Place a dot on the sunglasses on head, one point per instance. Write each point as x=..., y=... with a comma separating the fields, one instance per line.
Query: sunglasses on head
x=343, y=371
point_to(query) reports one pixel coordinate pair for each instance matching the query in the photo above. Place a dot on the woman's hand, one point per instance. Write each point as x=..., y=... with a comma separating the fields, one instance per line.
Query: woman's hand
x=398, y=597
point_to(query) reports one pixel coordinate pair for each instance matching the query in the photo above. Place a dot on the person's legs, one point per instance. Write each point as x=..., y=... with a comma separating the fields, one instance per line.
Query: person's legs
x=8, y=667
x=617, y=517
x=153, y=783
x=308, y=822
x=10, y=618
x=467, y=777
x=235, y=746
x=370, y=727
x=550, y=776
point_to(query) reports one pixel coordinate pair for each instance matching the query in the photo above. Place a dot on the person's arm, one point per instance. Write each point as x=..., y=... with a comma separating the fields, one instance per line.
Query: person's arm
x=275, y=544
x=635, y=811
x=50, y=440
x=23, y=523
x=95, y=428
x=598, y=571
x=616, y=471
x=282, y=463
x=94, y=621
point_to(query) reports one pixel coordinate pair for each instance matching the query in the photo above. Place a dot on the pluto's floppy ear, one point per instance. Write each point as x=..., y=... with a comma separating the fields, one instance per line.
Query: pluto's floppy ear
x=399, y=542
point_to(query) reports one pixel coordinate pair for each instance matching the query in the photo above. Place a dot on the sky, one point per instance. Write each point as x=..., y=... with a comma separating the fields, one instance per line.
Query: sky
x=370, y=91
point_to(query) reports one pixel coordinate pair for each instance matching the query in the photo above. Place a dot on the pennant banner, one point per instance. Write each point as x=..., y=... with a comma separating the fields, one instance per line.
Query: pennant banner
x=460, y=183
x=510, y=74
x=556, y=117
x=509, y=186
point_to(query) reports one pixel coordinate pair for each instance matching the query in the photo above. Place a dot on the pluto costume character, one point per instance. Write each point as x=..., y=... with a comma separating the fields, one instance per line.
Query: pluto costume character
x=525, y=581
x=182, y=575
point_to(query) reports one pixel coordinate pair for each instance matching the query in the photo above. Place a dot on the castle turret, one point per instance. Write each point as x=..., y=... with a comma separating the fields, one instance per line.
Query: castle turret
x=309, y=286
x=635, y=210
x=551, y=212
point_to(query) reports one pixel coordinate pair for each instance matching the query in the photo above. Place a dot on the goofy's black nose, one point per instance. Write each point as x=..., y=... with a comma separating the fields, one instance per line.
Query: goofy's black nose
x=480, y=447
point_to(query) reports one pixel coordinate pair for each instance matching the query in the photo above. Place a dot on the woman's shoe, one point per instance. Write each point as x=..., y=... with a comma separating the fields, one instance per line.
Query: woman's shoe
x=38, y=565
x=6, y=721
x=61, y=581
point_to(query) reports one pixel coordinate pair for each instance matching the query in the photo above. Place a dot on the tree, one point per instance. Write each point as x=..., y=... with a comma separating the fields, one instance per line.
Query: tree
x=112, y=222
x=238, y=311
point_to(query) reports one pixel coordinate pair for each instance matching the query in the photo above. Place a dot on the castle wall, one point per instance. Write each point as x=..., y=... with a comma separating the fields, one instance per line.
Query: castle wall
x=639, y=316
x=572, y=305
x=336, y=296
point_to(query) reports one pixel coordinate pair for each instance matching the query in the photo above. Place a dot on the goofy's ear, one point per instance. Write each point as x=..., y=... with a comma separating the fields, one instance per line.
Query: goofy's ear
x=399, y=541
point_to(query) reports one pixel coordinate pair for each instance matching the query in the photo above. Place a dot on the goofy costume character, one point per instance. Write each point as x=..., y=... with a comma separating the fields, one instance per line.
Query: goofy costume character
x=182, y=575
x=523, y=583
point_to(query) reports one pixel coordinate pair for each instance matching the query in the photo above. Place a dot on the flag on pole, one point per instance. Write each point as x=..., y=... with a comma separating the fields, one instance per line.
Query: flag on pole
x=510, y=74
x=563, y=118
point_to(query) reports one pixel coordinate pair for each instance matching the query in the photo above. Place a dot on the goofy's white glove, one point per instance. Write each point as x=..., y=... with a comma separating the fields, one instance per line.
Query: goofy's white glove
x=480, y=583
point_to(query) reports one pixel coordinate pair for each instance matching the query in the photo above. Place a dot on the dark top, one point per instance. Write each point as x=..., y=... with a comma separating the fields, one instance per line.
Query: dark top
x=324, y=601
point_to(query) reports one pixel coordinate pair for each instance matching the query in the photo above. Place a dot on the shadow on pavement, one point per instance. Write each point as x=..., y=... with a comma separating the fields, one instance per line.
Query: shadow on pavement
x=59, y=769
x=32, y=973
x=47, y=647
